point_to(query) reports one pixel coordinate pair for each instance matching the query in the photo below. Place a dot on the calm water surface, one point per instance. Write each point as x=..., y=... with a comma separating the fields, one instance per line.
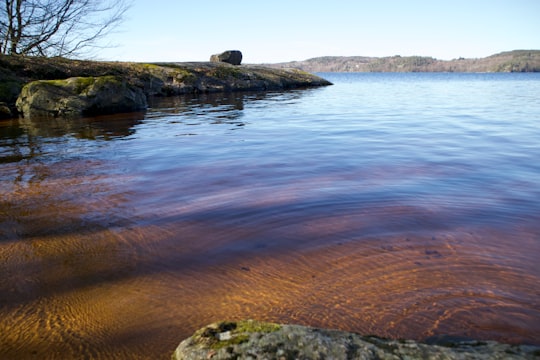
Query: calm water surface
x=401, y=205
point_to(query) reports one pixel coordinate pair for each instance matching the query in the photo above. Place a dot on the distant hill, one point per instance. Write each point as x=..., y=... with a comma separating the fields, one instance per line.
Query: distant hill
x=510, y=61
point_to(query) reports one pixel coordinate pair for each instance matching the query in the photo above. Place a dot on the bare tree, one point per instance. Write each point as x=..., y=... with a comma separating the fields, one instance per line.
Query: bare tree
x=56, y=27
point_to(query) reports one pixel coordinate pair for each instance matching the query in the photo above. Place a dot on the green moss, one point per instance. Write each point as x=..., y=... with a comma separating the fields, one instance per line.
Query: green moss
x=59, y=83
x=103, y=80
x=151, y=66
x=225, y=72
x=81, y=84
x=301, y=72
x=78, y=84
x=168, y=72
x=253, y=326
x=239, y=332
x=183, y=74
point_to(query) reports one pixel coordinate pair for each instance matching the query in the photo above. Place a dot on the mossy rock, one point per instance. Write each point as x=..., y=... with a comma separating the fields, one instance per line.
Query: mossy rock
x=225, y=72
x=226, y=333
x=259, y=340
x=79, y=96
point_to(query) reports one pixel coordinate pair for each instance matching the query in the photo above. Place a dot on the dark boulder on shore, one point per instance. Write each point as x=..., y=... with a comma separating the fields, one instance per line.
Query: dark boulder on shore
x=260, y=340
x=233, y=57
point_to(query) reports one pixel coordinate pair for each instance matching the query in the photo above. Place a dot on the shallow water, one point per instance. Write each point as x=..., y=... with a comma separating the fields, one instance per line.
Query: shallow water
x=401, y=205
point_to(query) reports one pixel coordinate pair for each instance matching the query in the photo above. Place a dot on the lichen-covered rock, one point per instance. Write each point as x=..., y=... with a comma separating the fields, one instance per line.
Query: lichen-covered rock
x=233, y=57
x=78, y=96
x=259, y=340
x=222, y=77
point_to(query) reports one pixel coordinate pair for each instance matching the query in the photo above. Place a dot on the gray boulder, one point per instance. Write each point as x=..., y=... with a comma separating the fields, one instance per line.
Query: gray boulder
x=80, y=96
x=259, y=340
x=233, y=57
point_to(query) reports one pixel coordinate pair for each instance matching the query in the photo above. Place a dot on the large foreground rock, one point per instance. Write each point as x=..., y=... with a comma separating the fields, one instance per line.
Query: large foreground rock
x=260, y=340
x=78, y=96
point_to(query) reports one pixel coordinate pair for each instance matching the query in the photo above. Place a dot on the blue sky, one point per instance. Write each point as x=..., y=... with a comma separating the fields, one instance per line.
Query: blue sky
x=286, y=30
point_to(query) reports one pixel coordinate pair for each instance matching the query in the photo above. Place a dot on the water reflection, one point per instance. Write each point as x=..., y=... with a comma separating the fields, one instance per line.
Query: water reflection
x=91, y=128
x=226, y=106
x=216, y=108
x=24, y=138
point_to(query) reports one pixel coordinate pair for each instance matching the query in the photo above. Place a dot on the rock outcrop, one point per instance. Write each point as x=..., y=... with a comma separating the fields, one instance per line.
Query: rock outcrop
x=80, y=96
x=260, y=340
x=233, y=57
x=105, y=87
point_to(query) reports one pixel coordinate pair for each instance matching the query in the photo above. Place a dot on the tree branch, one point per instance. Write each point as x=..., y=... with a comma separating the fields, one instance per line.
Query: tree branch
x=57, y=27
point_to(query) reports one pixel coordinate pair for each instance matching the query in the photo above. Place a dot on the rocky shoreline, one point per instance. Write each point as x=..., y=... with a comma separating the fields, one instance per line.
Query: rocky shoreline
x=61, y=87
x=261, y=340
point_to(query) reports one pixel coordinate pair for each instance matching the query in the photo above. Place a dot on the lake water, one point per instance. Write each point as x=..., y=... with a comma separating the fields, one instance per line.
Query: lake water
x=401, y=205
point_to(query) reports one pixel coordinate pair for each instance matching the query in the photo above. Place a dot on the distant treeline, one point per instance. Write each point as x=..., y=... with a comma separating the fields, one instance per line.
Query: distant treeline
x=511, y=61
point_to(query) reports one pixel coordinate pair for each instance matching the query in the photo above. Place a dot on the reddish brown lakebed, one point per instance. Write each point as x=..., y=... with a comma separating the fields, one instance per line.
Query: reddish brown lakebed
x=404, y=206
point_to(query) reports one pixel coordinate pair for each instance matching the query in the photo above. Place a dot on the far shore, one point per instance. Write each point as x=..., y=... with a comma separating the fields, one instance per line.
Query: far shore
x=510, y=61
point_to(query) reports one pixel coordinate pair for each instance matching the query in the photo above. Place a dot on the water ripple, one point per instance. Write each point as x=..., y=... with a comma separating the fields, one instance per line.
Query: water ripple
x=401, y=205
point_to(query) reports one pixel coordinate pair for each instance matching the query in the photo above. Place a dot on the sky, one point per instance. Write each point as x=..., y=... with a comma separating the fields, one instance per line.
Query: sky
x=288, y=30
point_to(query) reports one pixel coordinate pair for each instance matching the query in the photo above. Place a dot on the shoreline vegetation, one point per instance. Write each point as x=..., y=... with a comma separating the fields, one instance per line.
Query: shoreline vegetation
x=509, y=61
